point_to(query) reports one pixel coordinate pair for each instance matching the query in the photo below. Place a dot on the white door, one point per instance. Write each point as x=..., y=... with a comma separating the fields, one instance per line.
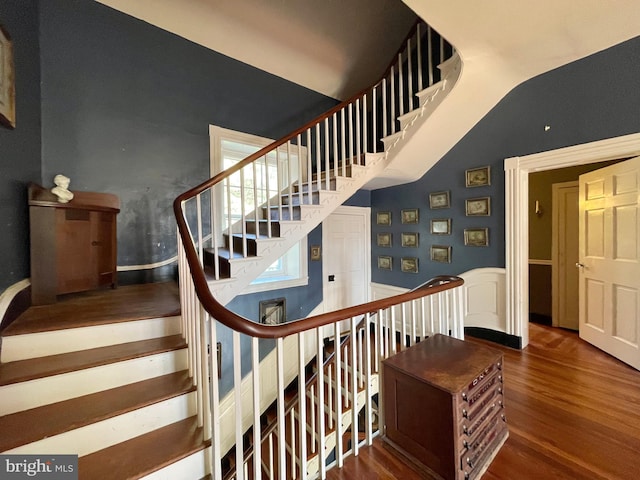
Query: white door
x=609, y=260
x=564, y=255
x=346, y=257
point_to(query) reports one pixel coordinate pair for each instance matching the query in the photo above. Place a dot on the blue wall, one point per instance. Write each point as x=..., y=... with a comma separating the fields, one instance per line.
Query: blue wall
x=20, y=147
x=126, y=109
x=588, y=100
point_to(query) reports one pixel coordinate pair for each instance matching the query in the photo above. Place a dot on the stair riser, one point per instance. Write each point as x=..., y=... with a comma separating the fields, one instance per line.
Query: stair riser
x=34, y=393
x=274, y=213
x=42, y=344
x=313, y=199
x=193, y=466
x=263, y=228
x=103, y=434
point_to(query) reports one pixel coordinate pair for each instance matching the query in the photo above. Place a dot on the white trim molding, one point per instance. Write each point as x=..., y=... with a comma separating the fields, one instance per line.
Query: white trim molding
x=9, y=294
x=538, y=261
x=517, y=170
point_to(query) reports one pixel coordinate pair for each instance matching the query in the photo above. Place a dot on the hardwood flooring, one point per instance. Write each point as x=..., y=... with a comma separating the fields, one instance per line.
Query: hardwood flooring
x=573, y=413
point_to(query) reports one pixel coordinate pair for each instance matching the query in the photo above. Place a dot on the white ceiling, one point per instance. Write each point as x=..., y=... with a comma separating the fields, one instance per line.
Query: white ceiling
x=324, y=45
x=338, y=47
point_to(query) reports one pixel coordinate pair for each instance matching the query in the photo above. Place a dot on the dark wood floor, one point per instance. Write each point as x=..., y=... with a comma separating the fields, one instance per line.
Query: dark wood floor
x=573, y=413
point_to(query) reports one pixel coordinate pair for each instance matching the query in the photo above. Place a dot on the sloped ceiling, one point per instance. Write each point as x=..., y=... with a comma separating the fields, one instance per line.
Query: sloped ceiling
x=334, y=47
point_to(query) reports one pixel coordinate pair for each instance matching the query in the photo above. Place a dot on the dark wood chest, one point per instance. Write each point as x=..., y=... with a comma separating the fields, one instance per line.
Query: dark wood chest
x=444, y=406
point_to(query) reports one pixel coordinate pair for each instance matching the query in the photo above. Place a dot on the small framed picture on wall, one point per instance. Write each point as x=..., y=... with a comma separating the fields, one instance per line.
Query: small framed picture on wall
x=383, y=218
x=478, y=207
x=439, y=200
x=478, y=177
x=385, y=262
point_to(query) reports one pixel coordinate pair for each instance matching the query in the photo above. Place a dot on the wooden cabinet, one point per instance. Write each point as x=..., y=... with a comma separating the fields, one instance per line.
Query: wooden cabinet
x=73, y=245
x=444, y=406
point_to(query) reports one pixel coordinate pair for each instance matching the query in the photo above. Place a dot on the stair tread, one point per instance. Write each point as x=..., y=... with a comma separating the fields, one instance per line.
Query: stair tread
x=56, y=418
x=145, y=454
x=23, y=370
x=98, y=307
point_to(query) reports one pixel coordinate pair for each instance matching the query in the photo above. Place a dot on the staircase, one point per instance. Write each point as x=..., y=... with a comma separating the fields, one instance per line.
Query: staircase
x=318, y=168
x=233, y=226
x=333, y=418
x=103, y=375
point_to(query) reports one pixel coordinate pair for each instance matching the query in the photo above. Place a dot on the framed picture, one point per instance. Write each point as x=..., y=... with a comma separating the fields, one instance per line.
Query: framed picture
x=273, y=312
x=476, y=237
x=385, y=262
x=316, y=253
x=409, y=264
x=478, y=207
x=441, y=226
x=410, y=215
x=7, y=81
x=478, y=177
x=383, y=218
x=439, y=200
x=384, y=239
x=409, y=239
x=441, y=253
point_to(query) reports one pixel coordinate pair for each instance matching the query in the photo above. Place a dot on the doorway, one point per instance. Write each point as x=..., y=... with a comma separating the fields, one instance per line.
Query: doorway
x=346, y=259
x=517, y=170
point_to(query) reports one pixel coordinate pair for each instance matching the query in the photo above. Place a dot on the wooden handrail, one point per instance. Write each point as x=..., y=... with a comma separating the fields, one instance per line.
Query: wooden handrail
x=277, y=143
x=253, y=329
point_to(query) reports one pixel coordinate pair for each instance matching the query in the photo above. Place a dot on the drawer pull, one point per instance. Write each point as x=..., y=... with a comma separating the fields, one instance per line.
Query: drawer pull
x=465, y=414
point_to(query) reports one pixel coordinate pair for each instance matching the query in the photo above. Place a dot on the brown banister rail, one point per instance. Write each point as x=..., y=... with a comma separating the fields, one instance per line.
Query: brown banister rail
x=254, y=329
x=277, y=143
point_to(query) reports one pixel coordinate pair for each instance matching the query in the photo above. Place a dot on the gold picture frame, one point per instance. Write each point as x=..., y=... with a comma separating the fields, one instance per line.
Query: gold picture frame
x=383, y=218
x=441, y=253
x=476, y=237
x=478, y=207
x=385, y=262
x=439, y=200
x=409, y=264
x=410, y=216
x=409, y=239
x=384, y=239
x=478, y=177
x=7, y=81
x=440, y=226
x=316, y=253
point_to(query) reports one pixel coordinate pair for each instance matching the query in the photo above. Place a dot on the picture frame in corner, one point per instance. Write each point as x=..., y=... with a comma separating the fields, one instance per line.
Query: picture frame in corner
x=7, y=81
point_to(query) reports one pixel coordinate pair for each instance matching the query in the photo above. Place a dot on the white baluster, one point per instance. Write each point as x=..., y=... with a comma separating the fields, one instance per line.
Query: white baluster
x=327, y=167
x=357, y=160
x=321, y=408
x=289, y=187
x=369, y=394
x=409, y=76
x=429, y=56
x=282, y=449
x=292, y=421
x=393, y=102
x=350, y=133
x=412, y=341
x=365, y=147
x=309, y=168
x=419, y=55
x=343, y=142
x=243, y=223
x=400, y=86
x=374, y=120
x=237, y=393
x=302, y=402
x=255, y=376
x=336, y=159
x=318, y=158
x=339, y=430
x=215, y=404
x=354, y=389
x=403, y=314
x=384, y=108
x=267, y=195
x=300, y=170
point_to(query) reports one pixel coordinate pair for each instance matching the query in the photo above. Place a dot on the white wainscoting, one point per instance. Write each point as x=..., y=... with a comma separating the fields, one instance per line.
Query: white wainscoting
x=483, y=297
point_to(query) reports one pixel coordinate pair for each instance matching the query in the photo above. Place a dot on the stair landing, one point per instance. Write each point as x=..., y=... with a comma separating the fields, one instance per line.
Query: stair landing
x=100, y=307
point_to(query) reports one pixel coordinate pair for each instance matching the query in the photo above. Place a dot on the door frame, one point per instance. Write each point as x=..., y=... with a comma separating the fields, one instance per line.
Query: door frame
x=364, y=212
x=516, y=179
x=557, y=239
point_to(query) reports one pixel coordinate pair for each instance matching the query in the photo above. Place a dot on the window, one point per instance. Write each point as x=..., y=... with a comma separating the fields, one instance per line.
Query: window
x=229, y=147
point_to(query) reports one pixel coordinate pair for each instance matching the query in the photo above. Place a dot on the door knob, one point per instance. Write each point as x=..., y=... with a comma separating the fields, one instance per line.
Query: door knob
x=580, y=265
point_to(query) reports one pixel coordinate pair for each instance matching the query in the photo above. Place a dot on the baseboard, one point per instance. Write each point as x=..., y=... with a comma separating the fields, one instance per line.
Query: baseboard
x=540, y=319
x=511, y=341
